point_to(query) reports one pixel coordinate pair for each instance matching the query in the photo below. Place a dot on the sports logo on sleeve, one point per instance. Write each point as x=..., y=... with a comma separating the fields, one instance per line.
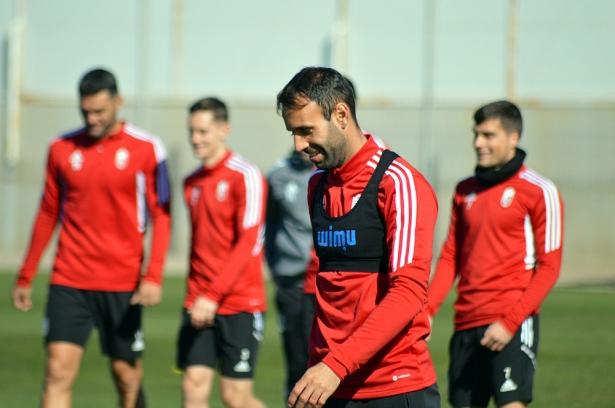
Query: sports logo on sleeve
x=194, y=196
x=469, y=200
x=121, y=158
x=222, y=190
x=76, y=160
x=507, y=197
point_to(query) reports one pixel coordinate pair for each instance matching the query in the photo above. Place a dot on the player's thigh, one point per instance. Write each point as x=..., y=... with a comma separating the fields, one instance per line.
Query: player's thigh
x=119, y=325
x=512, y=370
x=68, y=316
x=468, y=384
x=239, y=338
x=195, y=347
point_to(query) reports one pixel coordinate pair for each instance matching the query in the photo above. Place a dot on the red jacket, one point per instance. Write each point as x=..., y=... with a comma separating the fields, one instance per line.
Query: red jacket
x=102, y=192
x=370, y=328
x=227, y=210
x=505, y=245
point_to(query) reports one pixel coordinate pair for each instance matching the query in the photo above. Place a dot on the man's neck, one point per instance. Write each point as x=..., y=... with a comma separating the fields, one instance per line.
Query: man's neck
x=356, y=140
x=215, y=159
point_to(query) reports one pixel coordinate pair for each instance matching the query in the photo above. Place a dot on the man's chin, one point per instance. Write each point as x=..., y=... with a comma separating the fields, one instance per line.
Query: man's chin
x=95, y=134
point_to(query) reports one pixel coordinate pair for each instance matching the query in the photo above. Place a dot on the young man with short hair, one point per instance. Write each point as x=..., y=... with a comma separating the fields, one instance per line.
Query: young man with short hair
x=101, y=184
x=222, y=320
x=373, y=217
x=504, y=246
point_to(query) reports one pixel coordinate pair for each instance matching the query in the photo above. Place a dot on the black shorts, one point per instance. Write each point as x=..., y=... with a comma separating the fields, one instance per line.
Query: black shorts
x=230, y=344
x=477, y=373
x=425, y=398
x=72, y=313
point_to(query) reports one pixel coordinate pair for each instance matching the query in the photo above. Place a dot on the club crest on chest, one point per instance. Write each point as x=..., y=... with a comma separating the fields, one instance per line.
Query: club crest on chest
x=222, y=190
x=507, y=197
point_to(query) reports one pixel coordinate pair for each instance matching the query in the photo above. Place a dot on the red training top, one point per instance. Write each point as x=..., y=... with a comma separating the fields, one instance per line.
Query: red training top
x=227, y=210
x=370, y=328
x=102, y=191
x=505, y=245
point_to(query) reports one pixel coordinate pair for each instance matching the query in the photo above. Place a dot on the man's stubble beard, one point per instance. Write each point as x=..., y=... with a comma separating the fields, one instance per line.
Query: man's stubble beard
x=333, y=150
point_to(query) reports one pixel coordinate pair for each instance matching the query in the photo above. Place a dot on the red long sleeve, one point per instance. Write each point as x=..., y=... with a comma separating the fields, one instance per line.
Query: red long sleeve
x=505, y=245
x=227, y=210
x=375, y=342
x=101, y=192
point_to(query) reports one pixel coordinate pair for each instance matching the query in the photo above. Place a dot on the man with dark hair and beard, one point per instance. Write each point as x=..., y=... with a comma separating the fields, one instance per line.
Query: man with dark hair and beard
x=373, y=217
x=104, y=184
x=504, y=246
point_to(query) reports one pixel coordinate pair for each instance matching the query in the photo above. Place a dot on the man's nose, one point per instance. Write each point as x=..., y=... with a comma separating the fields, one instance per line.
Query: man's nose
x=300, y=143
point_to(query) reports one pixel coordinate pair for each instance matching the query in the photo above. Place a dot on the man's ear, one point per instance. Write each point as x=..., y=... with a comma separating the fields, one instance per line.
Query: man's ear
x=341, y=113
x=514, y=137
x=225, y=127
x=118, y=101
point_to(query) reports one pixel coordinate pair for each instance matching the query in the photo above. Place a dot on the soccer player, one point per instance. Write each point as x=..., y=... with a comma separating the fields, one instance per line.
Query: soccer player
x=289, y=251
x=309, y=287
x=102, y=181
x=222, y=320
x=373, y=217
x=504, y=246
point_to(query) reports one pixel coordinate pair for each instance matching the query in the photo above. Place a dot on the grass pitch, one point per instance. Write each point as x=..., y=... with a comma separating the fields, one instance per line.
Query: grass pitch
x=576, y=357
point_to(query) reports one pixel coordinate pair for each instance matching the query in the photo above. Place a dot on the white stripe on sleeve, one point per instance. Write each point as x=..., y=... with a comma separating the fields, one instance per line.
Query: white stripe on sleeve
x=406, y=209
x=254, y=189
x=553, y=230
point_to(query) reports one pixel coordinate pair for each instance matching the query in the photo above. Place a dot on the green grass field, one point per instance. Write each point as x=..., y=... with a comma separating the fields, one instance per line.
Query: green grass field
x=576, y=361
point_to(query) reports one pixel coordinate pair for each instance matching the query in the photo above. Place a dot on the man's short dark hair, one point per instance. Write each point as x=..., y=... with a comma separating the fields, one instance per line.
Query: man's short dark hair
x=507, y=112
x=354, y=90
x=325, y=86
x=97, y=80
x=214, y=105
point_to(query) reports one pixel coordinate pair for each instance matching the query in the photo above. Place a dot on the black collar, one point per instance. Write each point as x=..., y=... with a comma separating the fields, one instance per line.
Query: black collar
x=489, y=176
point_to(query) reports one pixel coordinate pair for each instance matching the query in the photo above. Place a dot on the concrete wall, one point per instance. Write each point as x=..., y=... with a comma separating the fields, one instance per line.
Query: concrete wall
x=555, y=59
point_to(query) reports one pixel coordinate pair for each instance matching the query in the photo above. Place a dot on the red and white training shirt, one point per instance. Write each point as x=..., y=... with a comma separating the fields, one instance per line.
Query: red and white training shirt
x=102, y=192
x=227, y=210
x=374, y=339
x=505, y=245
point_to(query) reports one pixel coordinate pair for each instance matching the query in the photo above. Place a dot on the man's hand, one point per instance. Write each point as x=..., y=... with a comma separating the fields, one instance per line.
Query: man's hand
x=314, y=388
x=202, y=312
x=22, y=298
x=147, y=294
x=496, y=337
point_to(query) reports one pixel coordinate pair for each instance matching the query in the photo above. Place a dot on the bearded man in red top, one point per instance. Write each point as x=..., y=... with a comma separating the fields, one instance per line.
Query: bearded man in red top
x=103, y=184
x=373, y=218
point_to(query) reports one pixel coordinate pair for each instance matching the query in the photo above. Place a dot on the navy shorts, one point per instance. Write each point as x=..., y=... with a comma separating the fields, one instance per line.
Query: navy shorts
x=477, y=373
x=426, y=398
x=72, y=313
x=230, y=344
